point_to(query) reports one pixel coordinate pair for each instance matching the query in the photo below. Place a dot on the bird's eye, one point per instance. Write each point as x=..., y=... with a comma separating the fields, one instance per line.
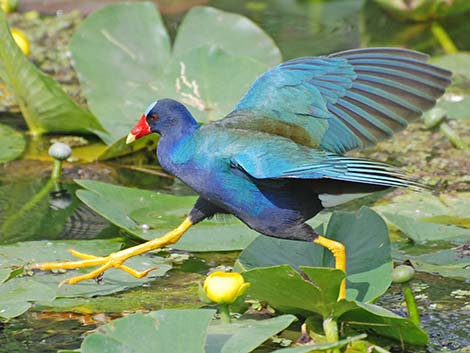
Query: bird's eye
x=154, y=117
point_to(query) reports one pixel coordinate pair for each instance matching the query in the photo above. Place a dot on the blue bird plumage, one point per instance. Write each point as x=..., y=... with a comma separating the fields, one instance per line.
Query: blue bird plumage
x=278, y=158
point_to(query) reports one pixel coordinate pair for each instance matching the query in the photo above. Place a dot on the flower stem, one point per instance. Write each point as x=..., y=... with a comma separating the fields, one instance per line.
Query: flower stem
x=443, y=38
x=330, y=327
x=413, y=312
x=57, y=170
x=224, y=312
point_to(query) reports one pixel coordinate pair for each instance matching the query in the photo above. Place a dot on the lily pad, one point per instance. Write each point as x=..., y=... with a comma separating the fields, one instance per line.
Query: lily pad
x=287, y=291
x=122, y=71
x=12, y=143
x=365, y=237
x=25, y=253
x=241, y=38
x=243, y=336
x=16, y=297
x=43, y=103
x=422, y=232
x=182, y=331
x=451, y=263
x=132, y=208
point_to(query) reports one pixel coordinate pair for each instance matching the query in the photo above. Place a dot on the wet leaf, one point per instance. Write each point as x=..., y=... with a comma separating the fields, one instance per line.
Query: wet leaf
x=12, y=143
x=44, y=105
x=243, y=336
x=451, y=263
x=132, y=208
x=422, y=232
x=25, y=253
x=17, y=296
x=169, y=331
x=286, y=291
x=123, y=71
x=365, y=237
x=174, y=331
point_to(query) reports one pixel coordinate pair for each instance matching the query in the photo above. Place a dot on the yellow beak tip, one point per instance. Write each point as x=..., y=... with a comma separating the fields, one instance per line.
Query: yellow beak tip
x=130, y=138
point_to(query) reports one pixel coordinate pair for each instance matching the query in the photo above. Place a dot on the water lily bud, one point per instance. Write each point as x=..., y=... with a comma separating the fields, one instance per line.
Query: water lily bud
x=9, y=5
x=21, y=40
x=60, y=151
x=225, y=288
x=402, y=274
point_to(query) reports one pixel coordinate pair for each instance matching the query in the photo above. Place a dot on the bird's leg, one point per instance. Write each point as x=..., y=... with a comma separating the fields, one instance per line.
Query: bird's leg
x=116, y=259
x=339, y=254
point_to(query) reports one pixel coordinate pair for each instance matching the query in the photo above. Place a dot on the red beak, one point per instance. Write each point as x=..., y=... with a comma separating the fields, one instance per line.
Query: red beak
x=140, y=130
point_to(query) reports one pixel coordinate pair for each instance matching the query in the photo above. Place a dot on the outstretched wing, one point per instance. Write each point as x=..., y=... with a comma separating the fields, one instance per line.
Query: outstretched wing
x=342, y=101
x=291, y=161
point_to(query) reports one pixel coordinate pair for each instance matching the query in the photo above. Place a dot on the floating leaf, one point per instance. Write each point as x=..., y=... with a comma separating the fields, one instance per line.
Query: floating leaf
x=365, y=237
x=123, y=71
x=44, y=105
x=131, y=208
x=26, y=253
x=17, y=296
x=241, y=38
x=174, y=331
x=169, y=331
x=243, y=336
x=12, y=143
x=421, y=232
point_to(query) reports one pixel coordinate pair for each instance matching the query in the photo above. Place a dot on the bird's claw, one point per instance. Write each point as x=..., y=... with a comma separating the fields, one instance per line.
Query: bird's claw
x=114, y=260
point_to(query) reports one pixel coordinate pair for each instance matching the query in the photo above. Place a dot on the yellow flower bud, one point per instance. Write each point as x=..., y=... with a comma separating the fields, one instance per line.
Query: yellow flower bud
x=9, y=5
x=225, y=288
x=21, y=40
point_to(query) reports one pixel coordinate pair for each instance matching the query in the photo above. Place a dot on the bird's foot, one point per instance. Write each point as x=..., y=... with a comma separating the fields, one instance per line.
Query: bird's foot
x=114, y=260
x=339, y=253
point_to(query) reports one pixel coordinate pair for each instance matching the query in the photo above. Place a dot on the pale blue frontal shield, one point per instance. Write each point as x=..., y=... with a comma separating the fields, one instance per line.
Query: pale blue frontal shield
x=150, y=107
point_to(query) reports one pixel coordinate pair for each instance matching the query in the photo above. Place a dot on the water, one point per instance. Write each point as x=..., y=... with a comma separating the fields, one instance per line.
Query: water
x=299, y=28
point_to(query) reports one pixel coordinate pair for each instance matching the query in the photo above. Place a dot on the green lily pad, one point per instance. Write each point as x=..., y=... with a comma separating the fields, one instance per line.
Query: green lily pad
x=16, y=297
x=43, y=103
x=458, y=63
x=422, y=232
x=243, y=336
x=241, y=38
x=12, y=143
x=182, y=331
x=288, y=292
x=365, y=237
x=25, y=253
x=131, y=208
x=123, y=71
x=169, y=331
x=451, y=263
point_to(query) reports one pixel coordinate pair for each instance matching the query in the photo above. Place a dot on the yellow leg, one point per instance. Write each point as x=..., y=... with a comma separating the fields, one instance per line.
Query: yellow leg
x=339, y=253
x=116, y=259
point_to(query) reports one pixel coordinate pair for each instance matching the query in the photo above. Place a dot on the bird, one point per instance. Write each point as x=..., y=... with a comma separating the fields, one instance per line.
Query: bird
x=278, y=158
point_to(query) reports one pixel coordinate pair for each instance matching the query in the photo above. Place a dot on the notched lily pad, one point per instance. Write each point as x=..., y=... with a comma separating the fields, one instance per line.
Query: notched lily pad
x=123, y=71
x=134, y=208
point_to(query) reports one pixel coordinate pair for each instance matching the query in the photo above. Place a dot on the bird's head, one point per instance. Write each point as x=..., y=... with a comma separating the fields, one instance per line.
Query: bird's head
x=165, y=117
